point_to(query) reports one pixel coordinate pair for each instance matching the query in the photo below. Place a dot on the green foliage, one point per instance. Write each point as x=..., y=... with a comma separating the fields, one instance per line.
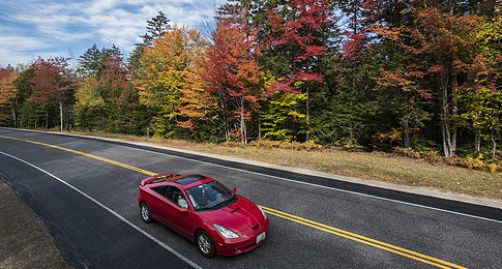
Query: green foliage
x=489, y=38
x=31, y=115
x=281, y=118
x=482, y=109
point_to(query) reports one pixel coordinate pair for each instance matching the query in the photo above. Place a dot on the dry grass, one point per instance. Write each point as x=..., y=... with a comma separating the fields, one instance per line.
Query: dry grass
x=374, y=166
x=25, y=242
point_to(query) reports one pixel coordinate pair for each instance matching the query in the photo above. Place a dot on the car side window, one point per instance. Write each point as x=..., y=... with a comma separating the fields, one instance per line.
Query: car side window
x=175, y=195
x=161, y=190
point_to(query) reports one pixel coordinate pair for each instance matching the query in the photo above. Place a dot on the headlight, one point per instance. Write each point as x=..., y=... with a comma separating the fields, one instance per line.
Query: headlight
x=225, y=232
x=263, y=213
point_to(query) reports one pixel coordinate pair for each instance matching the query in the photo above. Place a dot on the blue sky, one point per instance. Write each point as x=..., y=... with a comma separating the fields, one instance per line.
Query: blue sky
x=29, y=28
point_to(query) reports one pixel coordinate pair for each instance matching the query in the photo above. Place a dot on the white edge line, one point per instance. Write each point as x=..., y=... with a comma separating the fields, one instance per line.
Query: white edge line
x=160, y=243
x=319, y=186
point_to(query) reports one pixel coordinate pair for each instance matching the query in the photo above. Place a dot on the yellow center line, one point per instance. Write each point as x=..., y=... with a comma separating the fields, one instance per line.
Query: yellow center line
x=306, y=222
x=363, y=239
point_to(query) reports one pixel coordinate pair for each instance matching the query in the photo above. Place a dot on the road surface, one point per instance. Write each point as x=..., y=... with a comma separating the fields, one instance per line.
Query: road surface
x=85, y=191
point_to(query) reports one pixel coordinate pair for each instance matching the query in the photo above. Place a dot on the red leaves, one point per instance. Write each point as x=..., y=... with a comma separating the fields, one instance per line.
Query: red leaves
x=354, y=46
x=303, y=30
x=231, y=69
x=309, y=76
x=50, y=80
x=363, y=15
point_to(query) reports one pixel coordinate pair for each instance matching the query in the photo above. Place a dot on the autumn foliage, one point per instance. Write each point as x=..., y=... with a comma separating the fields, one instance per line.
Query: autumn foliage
x=419, y=75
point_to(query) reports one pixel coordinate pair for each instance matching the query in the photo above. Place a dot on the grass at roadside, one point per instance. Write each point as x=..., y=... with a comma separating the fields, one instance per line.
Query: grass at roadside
x=372, y=166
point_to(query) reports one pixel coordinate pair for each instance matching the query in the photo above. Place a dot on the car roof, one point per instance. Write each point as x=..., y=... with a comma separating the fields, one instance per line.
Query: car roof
x=180, y=181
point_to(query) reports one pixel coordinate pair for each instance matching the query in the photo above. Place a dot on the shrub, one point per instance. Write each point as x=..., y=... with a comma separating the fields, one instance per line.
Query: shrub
x=432, y=156
x=269, y=144
x=409, y=152
x=492, y=167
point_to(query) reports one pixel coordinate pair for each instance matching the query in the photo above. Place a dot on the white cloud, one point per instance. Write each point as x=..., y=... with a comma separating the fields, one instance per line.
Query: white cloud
x=56, y=26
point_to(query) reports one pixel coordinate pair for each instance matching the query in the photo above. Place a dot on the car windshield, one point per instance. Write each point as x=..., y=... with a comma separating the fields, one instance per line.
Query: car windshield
x=210, y=196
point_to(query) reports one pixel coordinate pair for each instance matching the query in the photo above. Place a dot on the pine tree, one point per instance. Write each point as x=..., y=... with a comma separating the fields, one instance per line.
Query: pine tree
x=156, y=27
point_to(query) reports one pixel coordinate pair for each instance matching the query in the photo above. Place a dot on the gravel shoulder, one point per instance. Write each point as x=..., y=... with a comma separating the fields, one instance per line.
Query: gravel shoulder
x=25, y=241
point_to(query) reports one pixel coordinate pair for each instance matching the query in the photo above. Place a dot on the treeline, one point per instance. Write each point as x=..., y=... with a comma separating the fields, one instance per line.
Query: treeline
x=383, y=74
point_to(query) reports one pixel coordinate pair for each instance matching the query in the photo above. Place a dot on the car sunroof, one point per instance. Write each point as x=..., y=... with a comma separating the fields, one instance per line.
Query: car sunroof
x=189, y=179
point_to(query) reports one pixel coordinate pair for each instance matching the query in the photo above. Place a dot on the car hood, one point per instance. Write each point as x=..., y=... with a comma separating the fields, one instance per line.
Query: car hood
x=242, y=216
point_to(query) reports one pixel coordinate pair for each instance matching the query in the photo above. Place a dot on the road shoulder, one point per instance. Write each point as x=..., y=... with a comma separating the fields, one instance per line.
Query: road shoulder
x=26, y=241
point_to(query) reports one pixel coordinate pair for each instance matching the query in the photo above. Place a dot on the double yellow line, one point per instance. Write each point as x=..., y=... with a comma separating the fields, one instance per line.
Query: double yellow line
x=306, y=222
x=363, y=239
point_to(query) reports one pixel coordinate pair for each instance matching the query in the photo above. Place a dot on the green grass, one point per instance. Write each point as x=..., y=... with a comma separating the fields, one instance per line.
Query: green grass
x=372, y=166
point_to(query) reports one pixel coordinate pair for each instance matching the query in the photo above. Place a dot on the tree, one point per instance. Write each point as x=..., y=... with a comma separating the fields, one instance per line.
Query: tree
x=162, y=75
x=90, y=105
x=362, y=14
x=303, y=31
x=157, y=26
x=196, y=103
x=8, y=91
x=232, y=73
x=52, y=81
x=91, y=62
x=439, y=44
x=483, y=112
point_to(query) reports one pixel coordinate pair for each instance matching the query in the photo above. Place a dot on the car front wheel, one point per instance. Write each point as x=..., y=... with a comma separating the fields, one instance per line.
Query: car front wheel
x=205, y=244
x=145, y=213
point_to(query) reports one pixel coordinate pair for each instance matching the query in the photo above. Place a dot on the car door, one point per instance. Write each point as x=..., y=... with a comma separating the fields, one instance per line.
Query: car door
x=176, y=209
x=156, y=203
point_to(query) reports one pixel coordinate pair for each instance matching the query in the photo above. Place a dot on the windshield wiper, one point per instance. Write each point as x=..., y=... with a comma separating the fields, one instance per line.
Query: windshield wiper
x=220, y=205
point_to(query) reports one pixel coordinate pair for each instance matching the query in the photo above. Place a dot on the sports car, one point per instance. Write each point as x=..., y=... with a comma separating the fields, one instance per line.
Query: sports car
x=200, y=208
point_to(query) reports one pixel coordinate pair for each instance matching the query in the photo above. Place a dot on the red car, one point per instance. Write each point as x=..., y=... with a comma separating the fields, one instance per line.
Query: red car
x=206, y=212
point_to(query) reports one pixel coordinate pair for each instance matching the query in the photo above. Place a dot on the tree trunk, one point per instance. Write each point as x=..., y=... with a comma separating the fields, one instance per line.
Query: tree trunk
x=225, y=121
x=14, y=116
x=307, y=133
x=445, y=128
x=47, y=119
x=477, y=140
x=494, y=145
x=454, y=111
x=244, y=138
x=406, y=134
x=259, y=128
x=61, y=115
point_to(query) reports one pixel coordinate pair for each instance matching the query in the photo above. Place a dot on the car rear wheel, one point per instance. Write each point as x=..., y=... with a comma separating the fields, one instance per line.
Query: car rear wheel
x=145, y=213
x=205, y=244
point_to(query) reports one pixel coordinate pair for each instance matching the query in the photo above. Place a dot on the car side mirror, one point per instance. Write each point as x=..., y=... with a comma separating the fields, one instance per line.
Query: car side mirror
x=234, y=190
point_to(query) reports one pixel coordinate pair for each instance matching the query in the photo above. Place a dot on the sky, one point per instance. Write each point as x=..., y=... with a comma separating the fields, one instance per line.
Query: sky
x=50, y=28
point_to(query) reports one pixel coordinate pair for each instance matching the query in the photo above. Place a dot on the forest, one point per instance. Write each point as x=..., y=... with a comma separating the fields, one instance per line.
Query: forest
x=410, y=76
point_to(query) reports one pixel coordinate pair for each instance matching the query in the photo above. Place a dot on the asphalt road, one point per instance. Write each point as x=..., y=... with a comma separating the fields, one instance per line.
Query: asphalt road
x=89, y=205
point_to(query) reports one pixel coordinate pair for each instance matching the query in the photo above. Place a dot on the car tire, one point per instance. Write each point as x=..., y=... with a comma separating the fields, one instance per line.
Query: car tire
x=205, y=244
x=144, y=212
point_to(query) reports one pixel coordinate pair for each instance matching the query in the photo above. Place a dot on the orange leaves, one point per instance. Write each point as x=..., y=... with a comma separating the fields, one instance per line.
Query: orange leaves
x=393, y=79
x=404, y=81
x=7, y=89
x=231, y=68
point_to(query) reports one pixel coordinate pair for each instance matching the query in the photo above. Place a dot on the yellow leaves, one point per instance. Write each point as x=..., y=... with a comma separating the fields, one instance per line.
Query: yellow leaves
x=169, y=77
x=87, y=94
x=393, y=135
x=164, y=67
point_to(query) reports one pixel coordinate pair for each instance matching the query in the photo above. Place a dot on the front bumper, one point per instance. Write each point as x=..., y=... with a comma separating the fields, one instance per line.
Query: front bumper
x=233, y=247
